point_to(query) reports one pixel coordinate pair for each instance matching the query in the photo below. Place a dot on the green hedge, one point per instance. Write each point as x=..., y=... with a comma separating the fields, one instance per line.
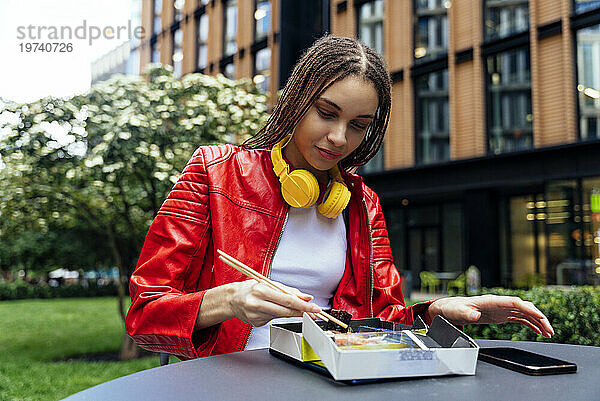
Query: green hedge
x=22, y=290
x=574, y=314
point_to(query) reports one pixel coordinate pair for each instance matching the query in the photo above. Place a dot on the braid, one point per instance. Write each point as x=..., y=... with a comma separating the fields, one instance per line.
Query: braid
x=328, y=60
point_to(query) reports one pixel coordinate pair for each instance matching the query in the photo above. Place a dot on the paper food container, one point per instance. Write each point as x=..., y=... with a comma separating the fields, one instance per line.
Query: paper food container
x=442, y=350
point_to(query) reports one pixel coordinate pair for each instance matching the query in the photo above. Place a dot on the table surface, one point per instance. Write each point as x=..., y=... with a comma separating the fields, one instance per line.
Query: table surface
x=258, y=375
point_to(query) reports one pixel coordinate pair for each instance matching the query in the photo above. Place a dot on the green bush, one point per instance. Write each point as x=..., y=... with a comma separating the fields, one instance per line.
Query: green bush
x=573, y=313
x=23, y=290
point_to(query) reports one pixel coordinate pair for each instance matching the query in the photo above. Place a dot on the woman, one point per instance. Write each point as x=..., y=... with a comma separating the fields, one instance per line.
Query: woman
x=257, y=203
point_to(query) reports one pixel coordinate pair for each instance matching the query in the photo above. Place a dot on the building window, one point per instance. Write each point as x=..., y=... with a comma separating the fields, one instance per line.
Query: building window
x=155, y=50
x=178, y=6
x=588, y=81
x=370, y=32
x=202, y=41
x=136, y=20
x=582, y=6
x=591, y=224
x=431, y=29
x=262, y=72
x=156, y=20
x=177, y=52
x=509, y=101
x=432, y=117
x=370, y=24
x=423, y=240
x=553, y=235
x=262, y=19
x=505, y=18
x=229, y=71
x=230, y=27
x=132, y=66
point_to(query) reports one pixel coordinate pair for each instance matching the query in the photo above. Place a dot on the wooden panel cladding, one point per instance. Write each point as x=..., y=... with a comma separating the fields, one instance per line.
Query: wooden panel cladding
x=467, y=137
x=552, y=83
x=464, y=17
x=399, y=141
x=274, y=45
x=546, y=11
x=466, y=97
x=553, y=109
x=343, y=23
x=398, y=35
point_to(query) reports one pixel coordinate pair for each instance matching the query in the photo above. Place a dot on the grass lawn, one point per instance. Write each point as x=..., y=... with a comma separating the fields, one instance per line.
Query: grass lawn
x=36, y=333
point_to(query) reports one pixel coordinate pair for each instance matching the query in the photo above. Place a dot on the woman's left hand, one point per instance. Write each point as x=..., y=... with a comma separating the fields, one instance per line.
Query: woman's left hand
x=491, y=309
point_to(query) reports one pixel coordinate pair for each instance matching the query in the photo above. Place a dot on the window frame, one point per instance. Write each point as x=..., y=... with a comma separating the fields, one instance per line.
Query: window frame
x=575, y=12
x=441, y=54
x=255, y=49
x=377, y=163
x=418, y=151
x=420, y=68
x=174, y=30
x=154, y=32
x=154, y=47
x=581, y=21
x=198, y=15
x=254, y=33
x=178, y=13
x=484, y=19
x=225, y=39
x=488, y=103
x=493, y=47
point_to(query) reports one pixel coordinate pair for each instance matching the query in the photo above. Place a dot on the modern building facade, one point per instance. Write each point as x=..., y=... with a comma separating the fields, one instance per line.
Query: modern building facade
x=125, y=58
x=492, y=157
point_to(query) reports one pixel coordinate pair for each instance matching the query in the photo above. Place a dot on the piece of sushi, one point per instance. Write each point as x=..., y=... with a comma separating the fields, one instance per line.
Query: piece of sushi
x=341, y=315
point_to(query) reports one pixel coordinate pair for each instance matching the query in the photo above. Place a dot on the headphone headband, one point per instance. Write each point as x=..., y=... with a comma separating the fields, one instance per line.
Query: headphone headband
x=281, y=167
x=300, y=188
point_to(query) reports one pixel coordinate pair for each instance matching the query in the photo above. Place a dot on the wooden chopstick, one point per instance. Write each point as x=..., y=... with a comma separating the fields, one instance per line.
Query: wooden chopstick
x=260, y=278
x=242, y=268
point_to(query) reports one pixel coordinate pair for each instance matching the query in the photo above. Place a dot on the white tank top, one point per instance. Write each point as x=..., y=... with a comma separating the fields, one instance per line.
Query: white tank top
x=311, y=257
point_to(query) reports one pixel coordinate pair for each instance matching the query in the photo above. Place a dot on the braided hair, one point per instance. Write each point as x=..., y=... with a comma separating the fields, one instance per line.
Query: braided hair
x=328, y=60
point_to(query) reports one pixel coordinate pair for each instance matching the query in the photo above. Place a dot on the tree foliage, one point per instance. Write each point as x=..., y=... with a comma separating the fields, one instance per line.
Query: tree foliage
x=82, y=178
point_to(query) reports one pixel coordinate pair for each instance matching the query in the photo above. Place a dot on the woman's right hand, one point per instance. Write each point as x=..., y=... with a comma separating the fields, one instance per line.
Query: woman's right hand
x=256, y=303
x=252, y=302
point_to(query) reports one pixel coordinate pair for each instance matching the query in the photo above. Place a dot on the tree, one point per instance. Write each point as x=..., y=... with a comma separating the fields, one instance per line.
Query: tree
x=103, y=162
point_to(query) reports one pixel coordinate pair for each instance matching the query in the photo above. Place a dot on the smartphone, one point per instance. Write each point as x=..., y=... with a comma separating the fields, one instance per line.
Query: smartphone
x=526, y=362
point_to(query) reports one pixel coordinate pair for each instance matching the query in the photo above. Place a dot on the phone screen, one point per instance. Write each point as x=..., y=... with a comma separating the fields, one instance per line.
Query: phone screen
x=525, y=361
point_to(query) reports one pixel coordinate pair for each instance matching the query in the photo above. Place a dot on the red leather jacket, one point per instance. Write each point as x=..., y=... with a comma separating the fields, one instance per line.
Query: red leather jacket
x=229, y=198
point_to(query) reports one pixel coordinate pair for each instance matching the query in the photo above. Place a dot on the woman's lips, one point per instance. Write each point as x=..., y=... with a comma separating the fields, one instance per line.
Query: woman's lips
x=327, y=154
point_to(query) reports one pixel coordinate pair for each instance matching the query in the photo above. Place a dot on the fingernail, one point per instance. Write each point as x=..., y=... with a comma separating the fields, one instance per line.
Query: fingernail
x=316, y=309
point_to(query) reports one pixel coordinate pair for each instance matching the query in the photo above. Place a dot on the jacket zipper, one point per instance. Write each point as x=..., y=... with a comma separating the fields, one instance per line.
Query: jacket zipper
x=370, y=255
x=268, y=272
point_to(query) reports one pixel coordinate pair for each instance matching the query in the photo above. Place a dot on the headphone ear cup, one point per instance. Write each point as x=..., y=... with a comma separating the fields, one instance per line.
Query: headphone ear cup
x=335, y=200
x=300, y=189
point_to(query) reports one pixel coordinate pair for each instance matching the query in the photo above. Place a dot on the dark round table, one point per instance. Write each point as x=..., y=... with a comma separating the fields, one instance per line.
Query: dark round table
x=257, y=375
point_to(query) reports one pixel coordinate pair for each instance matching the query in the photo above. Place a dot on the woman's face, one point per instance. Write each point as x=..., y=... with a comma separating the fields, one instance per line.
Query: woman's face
x=333, y=127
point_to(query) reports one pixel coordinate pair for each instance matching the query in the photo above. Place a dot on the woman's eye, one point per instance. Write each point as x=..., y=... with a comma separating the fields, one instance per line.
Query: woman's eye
x=360, y=126
x=325, y=114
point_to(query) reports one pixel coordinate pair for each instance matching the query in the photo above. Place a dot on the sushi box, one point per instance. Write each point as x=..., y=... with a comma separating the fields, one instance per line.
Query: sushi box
x=376, y=349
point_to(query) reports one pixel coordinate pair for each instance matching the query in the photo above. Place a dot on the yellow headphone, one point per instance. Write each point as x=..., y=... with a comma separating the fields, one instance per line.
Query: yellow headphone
x=301, y=189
